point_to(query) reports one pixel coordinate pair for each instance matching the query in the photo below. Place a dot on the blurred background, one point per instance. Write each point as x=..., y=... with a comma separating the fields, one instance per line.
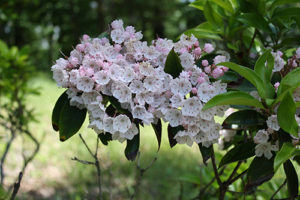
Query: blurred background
x=43, y=30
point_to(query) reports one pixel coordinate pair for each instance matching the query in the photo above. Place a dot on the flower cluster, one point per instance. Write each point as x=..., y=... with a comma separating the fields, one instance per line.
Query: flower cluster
x=128, y=70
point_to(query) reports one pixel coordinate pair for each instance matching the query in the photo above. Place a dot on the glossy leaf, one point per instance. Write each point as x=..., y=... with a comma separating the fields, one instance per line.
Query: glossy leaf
x=226, y=5
x=173, y=64
x=291, y=80
x=70, y=121
x=57, y=110
x=172, y=131
x=205, y=152
x=239, y=152
x=244, y=118
x=233, y=98
x=105, y=138
x=132, y=147
x=229, y=76
x=286, y=152
x=254, y=20
x=292, y=179
x=211, y=15
x=259, y=171
x=263, y=89
x=202, y=34
x=157, y=129
x=198, y=4
x=260, y=66
x=286, y=115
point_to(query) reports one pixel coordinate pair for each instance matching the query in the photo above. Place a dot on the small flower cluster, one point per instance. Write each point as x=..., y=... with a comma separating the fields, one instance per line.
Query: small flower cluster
x=130, y=71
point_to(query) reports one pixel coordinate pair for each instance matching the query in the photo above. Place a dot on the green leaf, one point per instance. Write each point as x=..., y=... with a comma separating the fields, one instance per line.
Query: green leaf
x=132, y=147
x=259, y=171
x=57, y=110
x=286, y=115
x=70, y=121
x=229, y=76
x=292, y=179
x=291, y=80
x=239, y=152
x=190, y=178
x=105, y=138
x=205, y=152
x=226, y=5
x=233, y=98
x=157, y=129
x=286, y=152
x=103, y=35
x=281, y=2
x=297, y=104
x=260, y=68
x=172, y=131
x=244, y=118
x=202, y=34
x=263, y=89
x=211, y=15
x=173, y=64
x=198, y=4
x=254, y=20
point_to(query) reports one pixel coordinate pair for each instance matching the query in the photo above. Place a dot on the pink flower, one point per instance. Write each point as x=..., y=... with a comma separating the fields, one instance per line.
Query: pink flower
x=80, y=47
x=197, y=51
x=208, y=48
x=117, y=47
x=204, y=63
x=201, y=80
x=196, y=44
x=86, y=38
x=225, y=69
x=74, y=61
x=276, y=85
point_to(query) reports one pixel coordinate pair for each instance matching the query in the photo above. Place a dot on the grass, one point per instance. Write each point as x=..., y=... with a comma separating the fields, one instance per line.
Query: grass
x=53, y=175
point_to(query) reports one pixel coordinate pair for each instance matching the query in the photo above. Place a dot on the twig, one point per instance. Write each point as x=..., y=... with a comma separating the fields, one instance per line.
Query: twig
x=213, y=161
x=234, y=171
x=252, y=41
x=16, y=186
x=140, y=174
x=280, y=187
x=237, y=177
x=96, y=163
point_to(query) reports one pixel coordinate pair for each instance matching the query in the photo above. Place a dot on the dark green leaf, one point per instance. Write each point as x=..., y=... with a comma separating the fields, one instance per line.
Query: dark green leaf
x=172, y=131
x=244, y=118
x=205, y=152
x=260, y=171
x=110, y=110
x=254, y=20
x=105, y=138
x=261, y=69
x=229, y=76
x=291, y=80
x=116, y=104
x=57, y=110
x=70, y=121
x=286, y=115
x=239, y=152
x=173, y=64
x=226, y=5
x=132, y=147
x=211, y=15
x=157, y=129
x=233, y=98
x=292, y=178
x=202, y=34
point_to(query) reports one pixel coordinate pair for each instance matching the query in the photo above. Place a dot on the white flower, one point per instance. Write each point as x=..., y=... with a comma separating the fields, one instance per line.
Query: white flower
x=118, y=136
x=121, y=123
x=108, y=125
x=180, y=86
x=182, y=137
x=101, y=77
x=139, y=112
x=95, y=110
x=146, y=69
x=74, y=75
x=117, y=36
x=227, y=134
x=151, y=53
x=261, y=136
x=176, y=101
x=187, y=60
x=97, y=126
x=61, y=77
x=278, y=61
x=122, y=93
x=89, y=97
x=265, y=149
x=85, y=84
x=152, y=83
x=206, y=92
x=136, y=86
x=191, y=107
x=174, y=117
x=117, y=24
x=219, y=59
x=132, y=131
x=273, y=123
x=128, y=75
x=77, y=101
x=208, y=114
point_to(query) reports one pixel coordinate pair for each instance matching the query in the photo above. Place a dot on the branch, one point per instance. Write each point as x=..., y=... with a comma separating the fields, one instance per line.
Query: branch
x=233, y=172
x=237, y=177
x=252, y=41
x=141, y=173
x=213, y=161
x=96, y=163
x=16, y=186
x=280, y=187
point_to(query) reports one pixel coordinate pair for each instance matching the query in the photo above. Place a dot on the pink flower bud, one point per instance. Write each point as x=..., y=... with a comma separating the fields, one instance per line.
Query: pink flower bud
x=204, y=63
x=196, y=44
x=225, y=69
x=217, y=72
x=194, y=90
x=276, y=85
x=208, y=48
x=117, y=47
x=74, y=61
x=279, y=53
x=197, y=51
x=86, y=38
x=190, y=73
x=207, y=69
